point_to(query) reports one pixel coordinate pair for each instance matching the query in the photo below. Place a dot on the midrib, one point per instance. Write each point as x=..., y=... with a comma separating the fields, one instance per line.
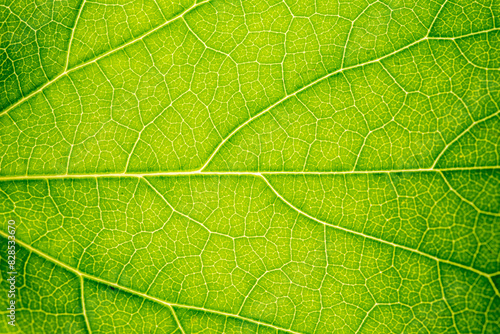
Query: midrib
x=241, y=173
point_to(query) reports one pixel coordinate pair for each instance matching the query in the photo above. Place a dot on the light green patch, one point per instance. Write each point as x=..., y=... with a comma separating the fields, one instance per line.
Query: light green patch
x=227, y=166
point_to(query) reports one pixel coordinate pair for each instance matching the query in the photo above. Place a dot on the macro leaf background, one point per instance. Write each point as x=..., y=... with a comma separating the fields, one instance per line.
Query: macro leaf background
x=256, y=166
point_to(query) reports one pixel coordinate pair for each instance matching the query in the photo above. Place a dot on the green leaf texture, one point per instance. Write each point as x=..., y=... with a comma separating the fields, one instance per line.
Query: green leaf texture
x=255, y=166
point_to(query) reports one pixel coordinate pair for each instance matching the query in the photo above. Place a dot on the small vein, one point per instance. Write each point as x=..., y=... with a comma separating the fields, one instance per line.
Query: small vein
x=87, y=323
x=440, y=280
x=174, y=314
x=436, y=17
x=465, y=35
x=73, y=34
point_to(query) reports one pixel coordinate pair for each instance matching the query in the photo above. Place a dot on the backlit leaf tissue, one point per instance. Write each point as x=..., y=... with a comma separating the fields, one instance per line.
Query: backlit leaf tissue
x=251, y=166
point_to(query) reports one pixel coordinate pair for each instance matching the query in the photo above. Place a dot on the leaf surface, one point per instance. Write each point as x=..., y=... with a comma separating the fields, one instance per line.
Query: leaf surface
x=251, y=167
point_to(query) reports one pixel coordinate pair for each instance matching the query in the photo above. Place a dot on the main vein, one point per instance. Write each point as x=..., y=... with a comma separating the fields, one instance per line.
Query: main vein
x=243, y=173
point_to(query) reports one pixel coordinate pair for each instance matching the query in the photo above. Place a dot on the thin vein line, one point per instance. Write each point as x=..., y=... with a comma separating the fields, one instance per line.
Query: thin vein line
x=464, y=36
x=436, y=17
x=170, y=205
x=440, y=280
x=176, y=319
x=140, y=294
x=87, y=323
x=493, y=284
x=77, y=19
x=367, y=315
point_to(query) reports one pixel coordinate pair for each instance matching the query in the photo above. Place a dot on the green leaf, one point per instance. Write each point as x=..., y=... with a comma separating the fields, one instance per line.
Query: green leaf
x=251, y=166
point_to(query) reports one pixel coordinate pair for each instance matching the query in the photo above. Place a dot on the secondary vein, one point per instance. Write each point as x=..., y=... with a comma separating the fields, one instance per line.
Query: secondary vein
x=137, y=293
